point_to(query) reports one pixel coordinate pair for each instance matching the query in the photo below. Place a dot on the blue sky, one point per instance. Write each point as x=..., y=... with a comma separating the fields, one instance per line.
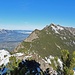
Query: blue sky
x=32, y=14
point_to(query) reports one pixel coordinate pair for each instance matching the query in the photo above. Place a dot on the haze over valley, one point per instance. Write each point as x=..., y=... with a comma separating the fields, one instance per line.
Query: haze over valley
x=9, y=39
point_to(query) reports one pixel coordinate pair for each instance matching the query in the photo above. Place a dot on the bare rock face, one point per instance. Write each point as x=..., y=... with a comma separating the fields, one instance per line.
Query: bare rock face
x=18, y=47
x=71, y=29
x=32, y=36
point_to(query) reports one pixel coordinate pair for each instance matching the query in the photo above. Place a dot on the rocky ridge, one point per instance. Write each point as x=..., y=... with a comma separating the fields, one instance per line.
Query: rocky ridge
x=48, y=41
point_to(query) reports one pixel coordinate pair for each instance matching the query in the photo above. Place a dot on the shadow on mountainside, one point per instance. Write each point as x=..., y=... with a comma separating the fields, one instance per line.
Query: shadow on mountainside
x=27, y=67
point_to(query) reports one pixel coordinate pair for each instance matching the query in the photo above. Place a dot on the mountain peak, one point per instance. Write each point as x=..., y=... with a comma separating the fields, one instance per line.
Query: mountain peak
x=50, y=40
x=32, y=36
x=56, y=28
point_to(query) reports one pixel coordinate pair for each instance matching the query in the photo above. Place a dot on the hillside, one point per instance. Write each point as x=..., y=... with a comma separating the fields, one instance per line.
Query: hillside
x=48, y=41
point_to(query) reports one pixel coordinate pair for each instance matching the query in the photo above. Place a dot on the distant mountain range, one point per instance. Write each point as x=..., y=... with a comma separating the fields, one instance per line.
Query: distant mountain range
x=49, y=41
x=9, y=39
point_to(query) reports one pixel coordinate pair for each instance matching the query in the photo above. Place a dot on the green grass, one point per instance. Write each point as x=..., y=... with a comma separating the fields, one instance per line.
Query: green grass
x=45, y=45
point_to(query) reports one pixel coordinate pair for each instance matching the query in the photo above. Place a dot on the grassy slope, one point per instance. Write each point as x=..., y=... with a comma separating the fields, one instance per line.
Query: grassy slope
x=46, y=43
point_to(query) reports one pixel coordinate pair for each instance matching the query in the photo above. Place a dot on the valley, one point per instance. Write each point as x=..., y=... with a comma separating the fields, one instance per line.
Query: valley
x=9, y=39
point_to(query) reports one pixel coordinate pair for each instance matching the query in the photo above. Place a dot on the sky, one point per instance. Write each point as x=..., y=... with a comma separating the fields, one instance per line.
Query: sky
x=36, y=14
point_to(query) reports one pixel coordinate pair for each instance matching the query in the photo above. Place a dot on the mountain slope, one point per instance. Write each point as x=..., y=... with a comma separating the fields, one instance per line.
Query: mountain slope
x=71, y=29
x=48, y=41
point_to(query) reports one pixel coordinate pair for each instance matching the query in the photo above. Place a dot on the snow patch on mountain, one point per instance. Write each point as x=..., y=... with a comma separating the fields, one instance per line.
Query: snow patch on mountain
x=73, y=42
x=27, y=57
x=60, y=28
x=56, y=28
x=5, y=55
x=60, y=63
x=48, y=60
x=58, y=46
x=63, y=38
x=18, y=54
